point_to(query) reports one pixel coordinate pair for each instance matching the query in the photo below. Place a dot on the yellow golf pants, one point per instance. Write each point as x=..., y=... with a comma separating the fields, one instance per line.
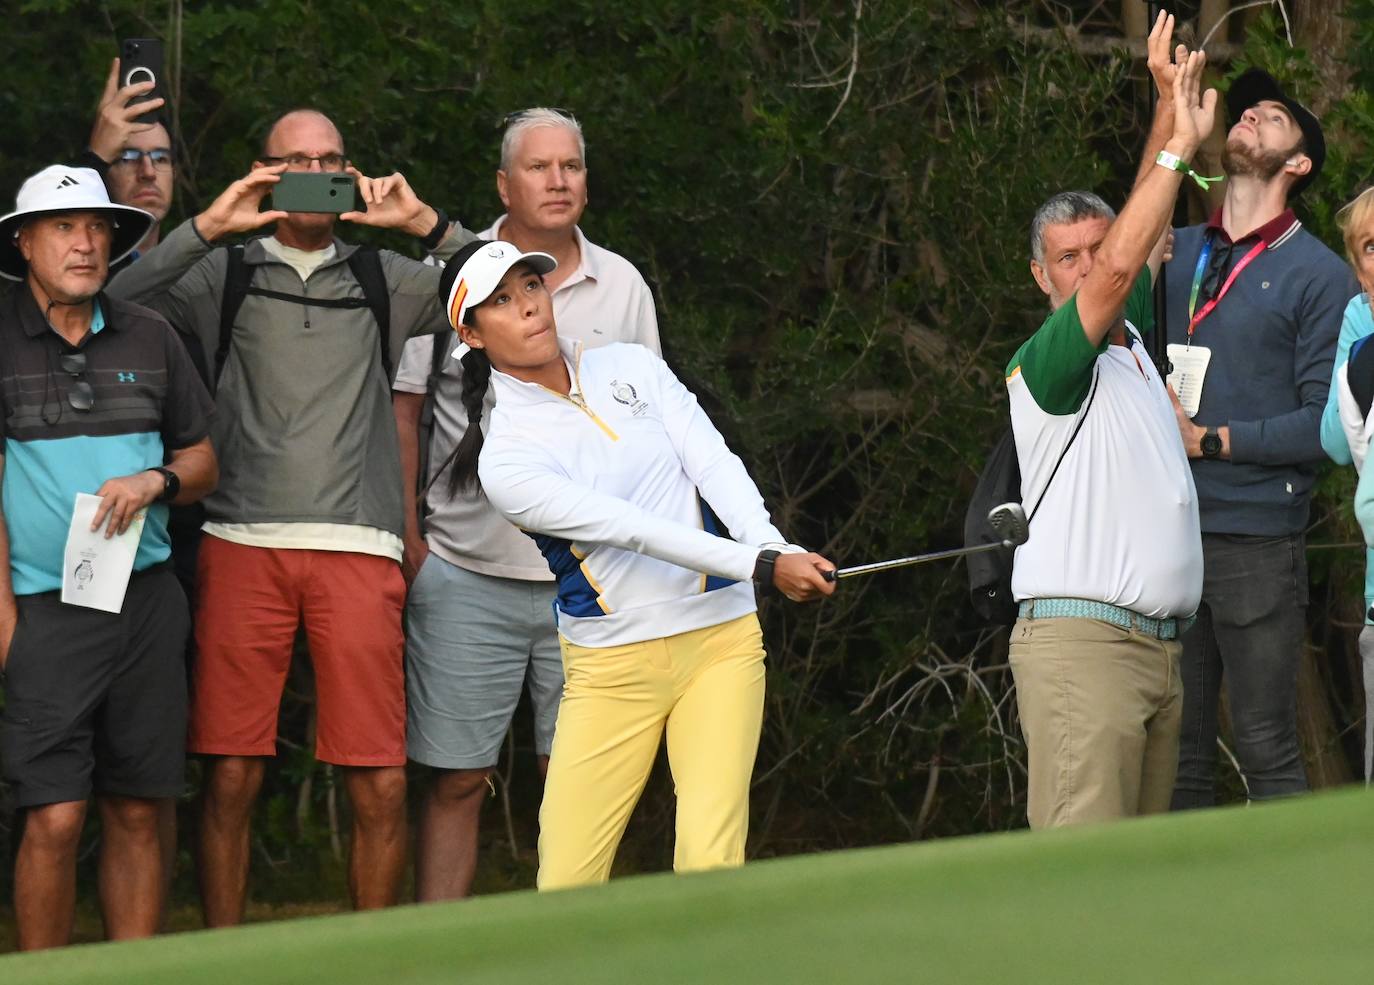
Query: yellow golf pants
x=706, y=688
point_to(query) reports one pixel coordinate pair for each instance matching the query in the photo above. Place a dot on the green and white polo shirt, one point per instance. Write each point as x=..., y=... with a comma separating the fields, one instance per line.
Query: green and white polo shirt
x=1120, y=522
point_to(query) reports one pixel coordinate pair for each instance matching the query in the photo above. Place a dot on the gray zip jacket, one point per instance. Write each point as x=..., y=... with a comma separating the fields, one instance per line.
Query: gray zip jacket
x=303, y=424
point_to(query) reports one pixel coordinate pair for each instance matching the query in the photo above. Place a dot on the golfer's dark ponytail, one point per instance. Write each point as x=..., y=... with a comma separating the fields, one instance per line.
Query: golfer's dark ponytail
x=476, y=379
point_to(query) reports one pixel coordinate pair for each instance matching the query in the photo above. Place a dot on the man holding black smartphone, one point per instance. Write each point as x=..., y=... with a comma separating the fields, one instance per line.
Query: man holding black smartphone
x=131, y=149
x=132, y=154
x=307, y=521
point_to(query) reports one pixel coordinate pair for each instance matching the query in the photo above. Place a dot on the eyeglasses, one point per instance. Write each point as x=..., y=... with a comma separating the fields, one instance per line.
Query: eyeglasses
x=302, y=162
x=81, y=396
x=520, y=114
x=159, y=157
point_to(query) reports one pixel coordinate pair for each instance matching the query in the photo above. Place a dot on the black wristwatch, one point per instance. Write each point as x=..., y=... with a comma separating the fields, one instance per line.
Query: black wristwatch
x=435, y=236
x=763, y=571
x=171, y=484
x=1211, y=444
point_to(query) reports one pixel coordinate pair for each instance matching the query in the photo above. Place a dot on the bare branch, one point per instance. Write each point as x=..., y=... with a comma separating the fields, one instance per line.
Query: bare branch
x=853, y=66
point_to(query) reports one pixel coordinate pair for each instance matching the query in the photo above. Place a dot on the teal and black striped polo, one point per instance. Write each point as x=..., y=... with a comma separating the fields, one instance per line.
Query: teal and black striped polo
x=147, y=402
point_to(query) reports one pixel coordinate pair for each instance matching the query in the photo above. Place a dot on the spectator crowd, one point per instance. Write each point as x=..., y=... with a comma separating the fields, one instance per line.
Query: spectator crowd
x=472, y=475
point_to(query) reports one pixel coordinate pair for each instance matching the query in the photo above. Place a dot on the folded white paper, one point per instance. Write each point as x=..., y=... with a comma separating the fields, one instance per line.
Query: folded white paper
x=96, y=569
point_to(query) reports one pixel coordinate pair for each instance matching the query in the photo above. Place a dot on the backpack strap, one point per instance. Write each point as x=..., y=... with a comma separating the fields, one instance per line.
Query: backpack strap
x=238, y=277
x=366, y=266
x=443, y=346
x=1076, y=428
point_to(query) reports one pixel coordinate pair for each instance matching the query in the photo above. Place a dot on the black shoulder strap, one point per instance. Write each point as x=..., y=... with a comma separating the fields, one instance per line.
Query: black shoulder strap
x=366, y=264
x=442, y=346
x=238, y=276
x=1076, y=428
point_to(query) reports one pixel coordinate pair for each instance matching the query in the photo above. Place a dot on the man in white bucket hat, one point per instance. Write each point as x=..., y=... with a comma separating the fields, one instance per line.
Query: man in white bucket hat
x=98, y=396
x=60, y=189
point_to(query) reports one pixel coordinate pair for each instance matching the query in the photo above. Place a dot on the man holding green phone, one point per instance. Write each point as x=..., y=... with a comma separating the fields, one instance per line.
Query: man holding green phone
x=315, y=191
x=307, y=522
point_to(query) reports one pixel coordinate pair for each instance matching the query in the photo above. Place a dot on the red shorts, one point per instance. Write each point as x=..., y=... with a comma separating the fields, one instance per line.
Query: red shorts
x=251, y=600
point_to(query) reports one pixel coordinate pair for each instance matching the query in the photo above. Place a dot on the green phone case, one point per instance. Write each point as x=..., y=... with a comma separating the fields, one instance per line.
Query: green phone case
x=314, y=191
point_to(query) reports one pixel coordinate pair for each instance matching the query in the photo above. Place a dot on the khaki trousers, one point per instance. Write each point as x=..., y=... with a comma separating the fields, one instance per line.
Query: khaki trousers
x=704, y=689
x=1100, y=708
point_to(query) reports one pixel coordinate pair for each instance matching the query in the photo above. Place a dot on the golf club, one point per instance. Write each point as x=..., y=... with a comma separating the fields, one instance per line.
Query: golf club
x=1008, y=521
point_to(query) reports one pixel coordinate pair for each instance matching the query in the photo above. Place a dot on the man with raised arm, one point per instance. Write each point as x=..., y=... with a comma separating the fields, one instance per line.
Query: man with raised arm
x=134, y=158
x=1113, y=564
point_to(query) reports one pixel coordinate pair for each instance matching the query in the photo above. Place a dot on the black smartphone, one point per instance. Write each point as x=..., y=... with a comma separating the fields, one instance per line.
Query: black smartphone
x=315, y=191
x=140, y=60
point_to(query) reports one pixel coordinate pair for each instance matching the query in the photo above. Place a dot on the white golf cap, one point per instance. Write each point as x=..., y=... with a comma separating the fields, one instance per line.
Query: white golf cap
x=477, y=269
x=59, y=188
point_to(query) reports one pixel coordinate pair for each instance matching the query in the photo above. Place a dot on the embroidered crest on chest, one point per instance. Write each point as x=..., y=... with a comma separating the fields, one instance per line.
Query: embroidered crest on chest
x=625, y=393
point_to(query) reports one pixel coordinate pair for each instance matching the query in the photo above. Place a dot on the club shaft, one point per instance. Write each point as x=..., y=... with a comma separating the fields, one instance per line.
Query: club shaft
x=868, y=569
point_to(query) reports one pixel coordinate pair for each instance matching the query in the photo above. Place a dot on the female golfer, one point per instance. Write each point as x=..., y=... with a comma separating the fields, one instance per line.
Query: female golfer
x=608, y=461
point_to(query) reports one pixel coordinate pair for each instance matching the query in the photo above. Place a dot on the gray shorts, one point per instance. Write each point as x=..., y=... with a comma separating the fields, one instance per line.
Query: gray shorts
x=471, y=642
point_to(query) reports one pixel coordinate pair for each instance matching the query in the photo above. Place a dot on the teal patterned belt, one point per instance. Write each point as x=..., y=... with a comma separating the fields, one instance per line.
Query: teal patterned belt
x=1160, y=629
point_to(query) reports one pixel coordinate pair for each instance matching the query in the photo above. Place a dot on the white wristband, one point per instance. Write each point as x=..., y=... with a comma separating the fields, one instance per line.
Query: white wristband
x=1171, y=162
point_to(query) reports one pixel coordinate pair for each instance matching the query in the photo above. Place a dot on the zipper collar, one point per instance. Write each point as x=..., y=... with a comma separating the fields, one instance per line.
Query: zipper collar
x=515, y=391
x=512, y=391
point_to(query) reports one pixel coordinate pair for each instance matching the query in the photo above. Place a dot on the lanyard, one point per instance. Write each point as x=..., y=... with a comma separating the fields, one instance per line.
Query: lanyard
x=1195, y=319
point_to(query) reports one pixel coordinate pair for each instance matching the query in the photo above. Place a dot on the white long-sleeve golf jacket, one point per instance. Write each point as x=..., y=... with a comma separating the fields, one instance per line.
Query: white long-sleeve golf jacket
x=621, y=482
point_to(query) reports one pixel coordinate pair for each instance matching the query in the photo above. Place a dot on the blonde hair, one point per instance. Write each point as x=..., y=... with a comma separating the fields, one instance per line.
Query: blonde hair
x=1353, y=217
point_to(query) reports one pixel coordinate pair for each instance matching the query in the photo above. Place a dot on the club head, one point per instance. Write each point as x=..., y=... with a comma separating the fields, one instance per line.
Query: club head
x=1008, y=521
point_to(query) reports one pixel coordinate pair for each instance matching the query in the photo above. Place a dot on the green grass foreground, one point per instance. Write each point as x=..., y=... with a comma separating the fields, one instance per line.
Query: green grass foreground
x=1279, y=893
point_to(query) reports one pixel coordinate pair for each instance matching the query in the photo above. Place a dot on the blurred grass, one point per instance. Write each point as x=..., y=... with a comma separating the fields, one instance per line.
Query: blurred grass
x=1272, y=893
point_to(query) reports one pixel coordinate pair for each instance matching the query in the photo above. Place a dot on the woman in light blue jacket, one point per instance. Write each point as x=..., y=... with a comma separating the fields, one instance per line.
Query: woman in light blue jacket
x=1347, y=424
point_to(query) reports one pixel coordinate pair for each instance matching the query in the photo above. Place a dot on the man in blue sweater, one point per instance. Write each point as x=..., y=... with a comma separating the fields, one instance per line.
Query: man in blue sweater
x=1259, y=300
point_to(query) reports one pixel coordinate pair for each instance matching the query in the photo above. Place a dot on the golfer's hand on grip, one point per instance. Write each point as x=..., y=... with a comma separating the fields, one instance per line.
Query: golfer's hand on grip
x=800, y=576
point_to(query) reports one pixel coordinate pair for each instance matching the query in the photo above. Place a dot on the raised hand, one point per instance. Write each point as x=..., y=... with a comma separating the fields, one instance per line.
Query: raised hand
x=1194, y=110
x=236, y=209
x=114, y=122
x=391, y=204
x=1161, y=61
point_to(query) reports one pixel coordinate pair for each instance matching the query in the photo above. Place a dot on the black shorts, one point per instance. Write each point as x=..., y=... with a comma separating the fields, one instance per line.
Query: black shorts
x=97, y=701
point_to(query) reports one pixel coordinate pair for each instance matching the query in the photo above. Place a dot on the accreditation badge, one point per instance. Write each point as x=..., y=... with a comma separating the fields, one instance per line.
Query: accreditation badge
x=1188, y=369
